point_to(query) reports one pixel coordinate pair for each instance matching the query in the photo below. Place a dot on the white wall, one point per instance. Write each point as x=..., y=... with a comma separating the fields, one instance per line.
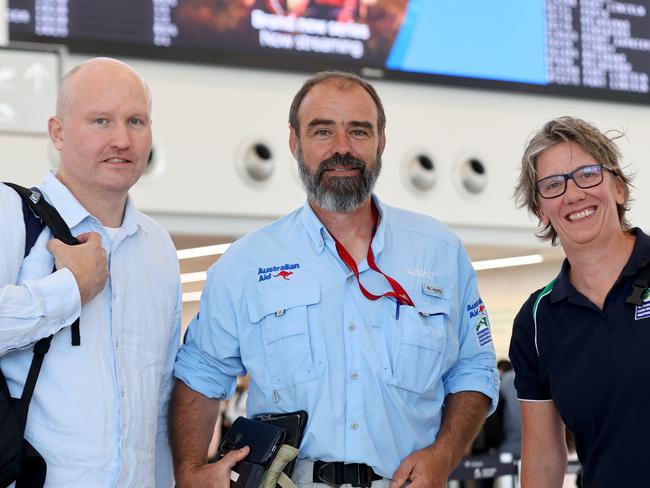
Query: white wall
x=204, y=114
x=4, y=34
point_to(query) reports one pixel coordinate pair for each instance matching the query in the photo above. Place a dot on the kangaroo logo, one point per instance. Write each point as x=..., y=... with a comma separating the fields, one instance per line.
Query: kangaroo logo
x=282, y=270
x=284, y=274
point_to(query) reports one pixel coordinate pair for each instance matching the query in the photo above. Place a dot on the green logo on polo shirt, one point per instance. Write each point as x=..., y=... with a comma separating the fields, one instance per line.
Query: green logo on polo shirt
x=645, y=296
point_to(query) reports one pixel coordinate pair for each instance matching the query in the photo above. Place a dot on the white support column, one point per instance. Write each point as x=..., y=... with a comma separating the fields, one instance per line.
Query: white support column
x=4, y=27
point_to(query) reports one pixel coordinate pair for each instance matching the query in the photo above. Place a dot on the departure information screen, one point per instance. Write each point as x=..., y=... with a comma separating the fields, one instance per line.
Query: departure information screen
x=582, y=48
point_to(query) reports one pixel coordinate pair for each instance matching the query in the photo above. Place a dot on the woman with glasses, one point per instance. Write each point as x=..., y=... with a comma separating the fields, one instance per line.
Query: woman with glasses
x=581, y=345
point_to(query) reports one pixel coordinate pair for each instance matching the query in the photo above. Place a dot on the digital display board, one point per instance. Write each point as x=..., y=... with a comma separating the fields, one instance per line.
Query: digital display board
x=581, y=48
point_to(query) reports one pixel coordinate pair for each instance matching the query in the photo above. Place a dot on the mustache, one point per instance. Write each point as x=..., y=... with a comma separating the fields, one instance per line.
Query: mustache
x=340, y=160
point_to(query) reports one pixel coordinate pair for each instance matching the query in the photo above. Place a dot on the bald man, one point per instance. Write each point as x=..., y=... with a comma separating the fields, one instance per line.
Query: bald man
x=98, y=414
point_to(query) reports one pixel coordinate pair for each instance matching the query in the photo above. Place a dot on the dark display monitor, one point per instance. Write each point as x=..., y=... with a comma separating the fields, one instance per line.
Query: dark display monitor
x=586, y=48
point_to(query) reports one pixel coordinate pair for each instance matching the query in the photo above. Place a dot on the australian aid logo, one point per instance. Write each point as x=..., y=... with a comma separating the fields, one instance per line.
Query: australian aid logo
x=478, y=312
x=284, y=272
x=643, y=311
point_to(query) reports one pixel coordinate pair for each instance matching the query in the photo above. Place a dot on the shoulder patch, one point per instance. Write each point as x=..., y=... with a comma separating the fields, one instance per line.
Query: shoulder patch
x=643, y=311
x=478, y=312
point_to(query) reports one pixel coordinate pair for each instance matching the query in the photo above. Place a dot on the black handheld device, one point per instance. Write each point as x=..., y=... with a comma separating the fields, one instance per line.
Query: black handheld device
x=263, y=439
x=293, y=423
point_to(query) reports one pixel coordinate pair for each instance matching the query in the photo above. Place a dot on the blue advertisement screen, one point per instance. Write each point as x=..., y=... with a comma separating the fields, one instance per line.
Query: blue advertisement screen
x=502, y=40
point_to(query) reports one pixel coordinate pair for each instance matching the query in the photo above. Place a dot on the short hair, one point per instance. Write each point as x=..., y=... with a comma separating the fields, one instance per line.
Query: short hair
x=343, y=76
x=597, y=144
x=64, y=94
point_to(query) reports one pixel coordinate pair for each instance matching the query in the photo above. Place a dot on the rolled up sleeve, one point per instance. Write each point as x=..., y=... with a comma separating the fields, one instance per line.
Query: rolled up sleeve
x=209, y=361
x=475, y=366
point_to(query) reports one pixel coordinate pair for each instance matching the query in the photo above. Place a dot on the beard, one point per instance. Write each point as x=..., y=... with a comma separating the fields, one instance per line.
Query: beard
x=339, y=193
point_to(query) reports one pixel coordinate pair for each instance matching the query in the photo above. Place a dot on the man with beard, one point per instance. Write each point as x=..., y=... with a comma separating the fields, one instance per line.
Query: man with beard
x=366, y=316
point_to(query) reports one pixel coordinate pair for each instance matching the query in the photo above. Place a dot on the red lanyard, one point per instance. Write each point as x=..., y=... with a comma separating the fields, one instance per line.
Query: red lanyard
x=398, y=293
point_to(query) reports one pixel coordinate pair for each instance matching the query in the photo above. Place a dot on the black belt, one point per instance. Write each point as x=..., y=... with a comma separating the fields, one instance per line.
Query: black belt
x=338, y=473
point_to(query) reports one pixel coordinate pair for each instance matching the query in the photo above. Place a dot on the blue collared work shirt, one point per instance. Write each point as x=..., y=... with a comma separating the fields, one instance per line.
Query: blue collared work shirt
x=283, y=306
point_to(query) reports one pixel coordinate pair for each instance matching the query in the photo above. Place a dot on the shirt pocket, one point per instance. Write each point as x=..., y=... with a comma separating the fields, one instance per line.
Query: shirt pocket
x=283, y=317
x=420, y=347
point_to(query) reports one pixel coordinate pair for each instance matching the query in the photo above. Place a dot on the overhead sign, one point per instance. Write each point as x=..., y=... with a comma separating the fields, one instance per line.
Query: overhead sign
x=29, y=80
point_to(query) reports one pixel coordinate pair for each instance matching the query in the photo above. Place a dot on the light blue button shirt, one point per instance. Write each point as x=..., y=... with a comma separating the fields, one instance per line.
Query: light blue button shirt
x=282, y=305
x=98, y=414
x=41, y=306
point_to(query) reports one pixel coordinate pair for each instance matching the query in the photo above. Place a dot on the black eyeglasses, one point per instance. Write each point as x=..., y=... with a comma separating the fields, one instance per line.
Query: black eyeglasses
x=584, y=177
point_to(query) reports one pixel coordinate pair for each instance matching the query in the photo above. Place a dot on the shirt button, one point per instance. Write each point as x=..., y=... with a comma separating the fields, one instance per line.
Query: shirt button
x=349, y=279
x=352, y=327
x=355, y=426
x=122, y=394
x=354, y=376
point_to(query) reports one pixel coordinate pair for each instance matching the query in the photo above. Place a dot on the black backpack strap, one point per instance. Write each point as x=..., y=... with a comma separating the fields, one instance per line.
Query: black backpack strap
x=33, y=198
x=641, y=281
x=40, y=350
x=33, y=226
x=27, y=467
x=47, y=212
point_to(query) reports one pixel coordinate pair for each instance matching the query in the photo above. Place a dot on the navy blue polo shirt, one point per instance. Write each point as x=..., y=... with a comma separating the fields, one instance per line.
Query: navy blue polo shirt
x=595, y=365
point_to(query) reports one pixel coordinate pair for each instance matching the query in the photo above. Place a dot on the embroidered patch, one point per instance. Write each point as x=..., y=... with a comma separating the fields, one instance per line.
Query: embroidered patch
x=483, y=333
x=643, y=311
x=478, y=312
x=473, y=308
x=284, y=271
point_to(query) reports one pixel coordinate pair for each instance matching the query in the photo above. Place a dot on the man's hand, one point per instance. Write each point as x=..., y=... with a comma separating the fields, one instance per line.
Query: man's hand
x=425, y=468
x=216, y=475
x=462, y=418
x=87, y=262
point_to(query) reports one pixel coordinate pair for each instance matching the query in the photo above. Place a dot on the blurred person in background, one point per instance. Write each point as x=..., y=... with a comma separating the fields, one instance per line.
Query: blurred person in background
x=511, y=413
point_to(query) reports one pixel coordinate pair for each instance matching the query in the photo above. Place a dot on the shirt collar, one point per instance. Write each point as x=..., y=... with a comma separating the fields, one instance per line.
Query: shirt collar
x=562, y=288
x=380, y=235
x=61, y=198
x=318, y=232
x=73, y=213
x=640, y=253
x=132, y=218
x=315, y=229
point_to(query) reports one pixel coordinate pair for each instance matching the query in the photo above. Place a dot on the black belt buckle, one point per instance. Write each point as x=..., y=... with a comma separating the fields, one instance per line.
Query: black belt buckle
x=338, y=473
x=363, y=474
